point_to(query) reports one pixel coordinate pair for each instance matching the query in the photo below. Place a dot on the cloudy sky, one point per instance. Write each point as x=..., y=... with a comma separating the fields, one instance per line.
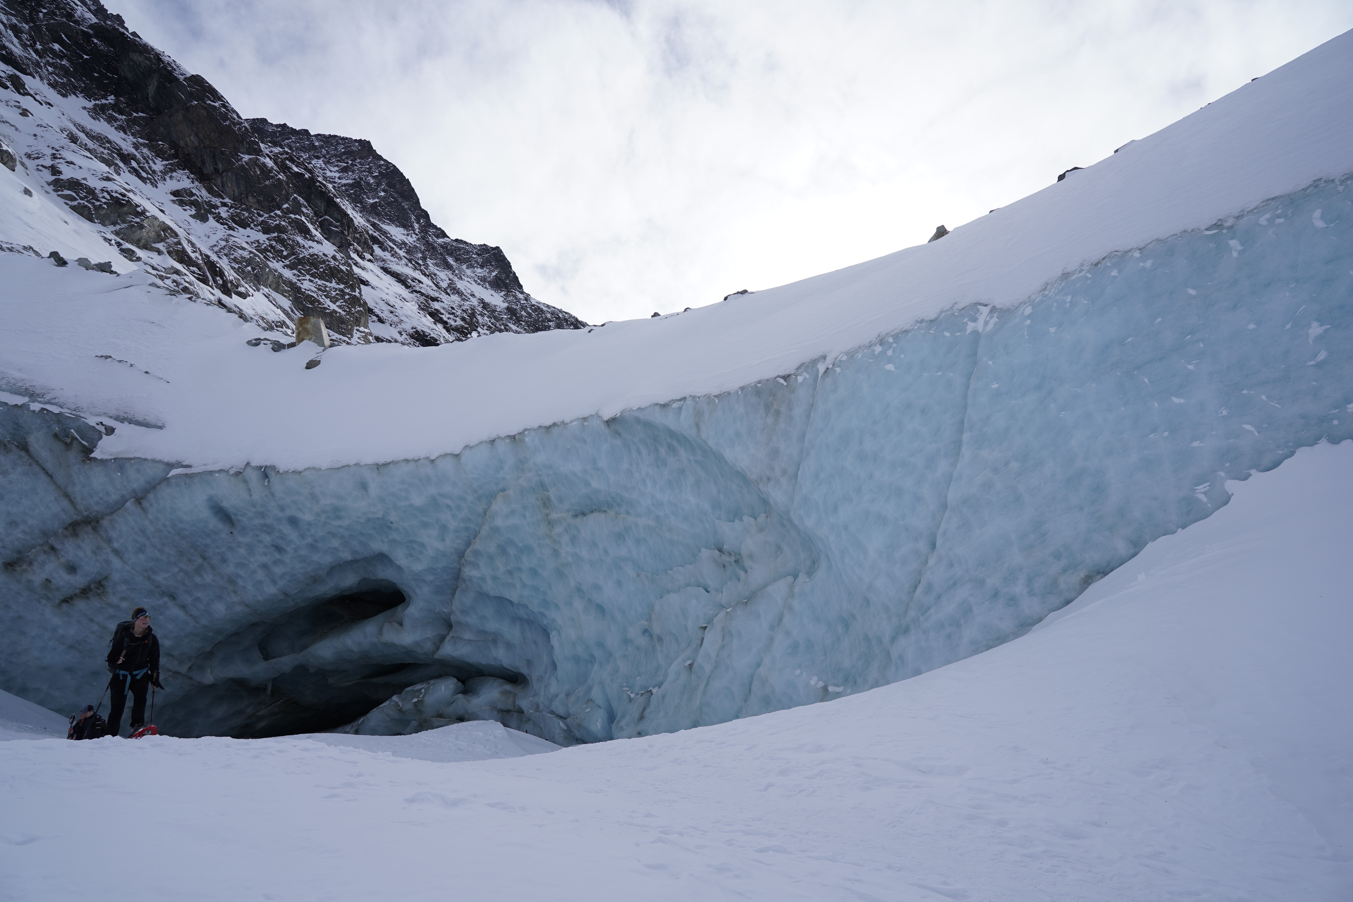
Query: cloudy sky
x=634, y=156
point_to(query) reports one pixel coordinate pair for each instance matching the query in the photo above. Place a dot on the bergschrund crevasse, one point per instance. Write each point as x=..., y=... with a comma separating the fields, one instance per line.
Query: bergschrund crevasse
x=848, y=524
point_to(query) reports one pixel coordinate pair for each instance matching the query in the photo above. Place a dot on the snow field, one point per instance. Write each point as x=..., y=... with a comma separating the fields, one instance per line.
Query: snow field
x=1182, y=731
x=20, y=719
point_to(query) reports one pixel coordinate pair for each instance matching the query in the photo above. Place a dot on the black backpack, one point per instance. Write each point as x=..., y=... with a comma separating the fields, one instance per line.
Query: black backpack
x=91, y=726
x=123, y=628
x=126, y=637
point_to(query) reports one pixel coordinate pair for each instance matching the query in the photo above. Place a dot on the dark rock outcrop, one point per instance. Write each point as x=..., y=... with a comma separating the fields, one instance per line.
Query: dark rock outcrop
x=267, y=220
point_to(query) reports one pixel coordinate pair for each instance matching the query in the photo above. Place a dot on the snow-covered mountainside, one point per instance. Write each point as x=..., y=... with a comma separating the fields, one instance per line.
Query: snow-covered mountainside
x=130, y=161
x=1182, y=732
x=792, y=496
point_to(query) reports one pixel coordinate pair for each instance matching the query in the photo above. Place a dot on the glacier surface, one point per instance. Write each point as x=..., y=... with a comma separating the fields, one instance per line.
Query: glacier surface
x=854, y=521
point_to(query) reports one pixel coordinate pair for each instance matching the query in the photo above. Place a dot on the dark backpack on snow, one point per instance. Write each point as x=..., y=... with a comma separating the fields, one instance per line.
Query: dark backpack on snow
x=91, y=727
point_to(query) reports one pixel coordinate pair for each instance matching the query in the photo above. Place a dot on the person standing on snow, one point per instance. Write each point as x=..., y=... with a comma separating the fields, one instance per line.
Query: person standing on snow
x=134, y=662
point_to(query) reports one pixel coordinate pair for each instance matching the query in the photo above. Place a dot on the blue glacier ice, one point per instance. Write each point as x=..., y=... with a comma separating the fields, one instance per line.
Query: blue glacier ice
x=850, y=523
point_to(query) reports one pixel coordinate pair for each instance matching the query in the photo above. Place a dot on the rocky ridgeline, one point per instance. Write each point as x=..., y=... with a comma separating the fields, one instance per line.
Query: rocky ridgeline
x=269, y=221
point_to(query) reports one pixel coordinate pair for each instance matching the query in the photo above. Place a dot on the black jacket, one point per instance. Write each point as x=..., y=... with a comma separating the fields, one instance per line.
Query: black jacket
x=136, y=652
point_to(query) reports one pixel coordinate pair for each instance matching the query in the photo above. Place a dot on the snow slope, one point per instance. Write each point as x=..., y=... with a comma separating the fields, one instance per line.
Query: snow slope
x=20, y=719
x=225, y=405
x=470, y=741
x=1182, y=731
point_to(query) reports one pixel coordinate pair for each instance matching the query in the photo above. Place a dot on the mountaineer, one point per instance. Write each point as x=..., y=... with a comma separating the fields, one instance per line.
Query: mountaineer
x=134, y=662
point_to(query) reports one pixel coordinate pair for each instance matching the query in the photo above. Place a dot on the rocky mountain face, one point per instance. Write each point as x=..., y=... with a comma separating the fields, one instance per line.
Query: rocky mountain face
x=269, y=221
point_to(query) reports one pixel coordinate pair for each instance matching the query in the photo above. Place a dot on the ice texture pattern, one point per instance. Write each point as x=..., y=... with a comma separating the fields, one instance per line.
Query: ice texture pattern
x=849, y=523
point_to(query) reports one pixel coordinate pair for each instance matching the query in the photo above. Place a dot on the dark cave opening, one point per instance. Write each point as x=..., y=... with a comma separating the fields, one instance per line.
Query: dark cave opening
x=309, y=698
x=302, y=628
x=318, y=690
x=306, y=700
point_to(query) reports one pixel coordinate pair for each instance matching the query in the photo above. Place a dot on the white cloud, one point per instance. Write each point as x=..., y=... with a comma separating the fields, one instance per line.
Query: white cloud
x=632, y=157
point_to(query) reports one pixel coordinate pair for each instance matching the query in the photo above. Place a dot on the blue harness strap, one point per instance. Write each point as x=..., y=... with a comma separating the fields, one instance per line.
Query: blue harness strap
x=128, y=676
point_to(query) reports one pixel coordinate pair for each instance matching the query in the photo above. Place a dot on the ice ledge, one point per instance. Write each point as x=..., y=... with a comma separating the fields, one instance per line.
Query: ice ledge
x=831, y=529
x=225, y=405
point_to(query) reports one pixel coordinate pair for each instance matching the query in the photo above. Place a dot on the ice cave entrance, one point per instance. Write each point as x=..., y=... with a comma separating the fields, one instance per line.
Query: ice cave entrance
x=312, y=696
x=306, y=626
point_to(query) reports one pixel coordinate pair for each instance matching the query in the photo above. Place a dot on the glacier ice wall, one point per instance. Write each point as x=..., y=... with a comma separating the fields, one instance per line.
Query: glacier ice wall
x=855, y=522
